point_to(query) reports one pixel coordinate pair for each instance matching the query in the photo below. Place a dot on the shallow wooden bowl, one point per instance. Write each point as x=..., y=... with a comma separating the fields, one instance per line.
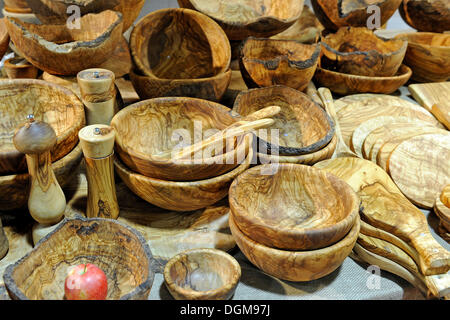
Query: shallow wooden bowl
x=4, y=38
x=359, y=51
x=296, y=265
x=182, y=196
x=345, y=84
x=334, y=14
x=59, y=49
x=56, y=105
x=242, y=18
x=17, y=6
x=426, y=15
x=211, y=88
x=202, y=274
x=179, y=44
x=267, y=62
x=119, y=250
x=19, y=68
x=428, y=56
x=304, y=127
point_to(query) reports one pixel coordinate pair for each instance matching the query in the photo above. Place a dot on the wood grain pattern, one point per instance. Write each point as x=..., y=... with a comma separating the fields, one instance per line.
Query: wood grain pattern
x=4, y=38
x=4, y=243
x=445, y=196
x=202, y=274
x=18, y=68
x=423, y=15
x=385, y=207
x=443, y=212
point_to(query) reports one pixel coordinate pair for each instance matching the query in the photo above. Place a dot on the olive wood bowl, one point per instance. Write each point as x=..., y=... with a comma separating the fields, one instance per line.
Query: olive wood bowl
x=359, y=51
x=426, y=15
x=17, y=6
x=242, y=18
x=61, y=50
x=202, y=274
x=304, y=127
x=4, y=38
x=268, y=62
x=179, y=44
x=48, y=102
x=19, y=68
x=119, y=250
x=296, y=265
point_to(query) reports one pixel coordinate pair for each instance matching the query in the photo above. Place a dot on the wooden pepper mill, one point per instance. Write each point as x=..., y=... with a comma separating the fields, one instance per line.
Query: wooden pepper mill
x=97, y=142
x=46, y=201
x=98, y=93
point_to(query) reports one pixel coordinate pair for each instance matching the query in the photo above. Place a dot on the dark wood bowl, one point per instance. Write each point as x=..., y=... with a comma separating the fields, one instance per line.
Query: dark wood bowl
x=119, y=250
x=266, y=62
x=202, y=274
x=19, y=68
x=241, y=18
x=4, y=38
x=304, y=127
x=179, y=44
x=59, y=49
x=359, y=51
x=426, y=15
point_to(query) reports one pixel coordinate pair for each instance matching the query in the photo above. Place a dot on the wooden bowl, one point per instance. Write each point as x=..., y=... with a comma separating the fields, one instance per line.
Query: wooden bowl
x=182, y=196
x=426, y=15
x=361, y=52
x=55, y=11
x=4, y=38
x=17, y=6
x=119, y=250
x=241, y=18
x=268, y=62
x=428, y=56
x=151, y=127
x=211, y=88
x=59, y=49
x=334, y=14
x=56, y=105
x=202, y=274
x=345, y=84
x=179, y=44
x=19, y=68
x=304, y=127
x=296, y=265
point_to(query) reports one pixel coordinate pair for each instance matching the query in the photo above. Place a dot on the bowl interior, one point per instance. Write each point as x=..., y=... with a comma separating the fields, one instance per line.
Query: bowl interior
x=268, y=49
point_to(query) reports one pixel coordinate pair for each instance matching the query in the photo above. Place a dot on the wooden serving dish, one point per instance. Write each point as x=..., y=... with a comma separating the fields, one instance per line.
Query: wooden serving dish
x=304, y=127
x=202, y=274
x=4, y=38
x=179, y=44
x=241, y=18
x=51, y=103
x=359, y=51
x=428, y=56
x=119, y=250
x=426, y=15
x=266, y=62
x=59, y=49
x=19, y=68
x=17, y=6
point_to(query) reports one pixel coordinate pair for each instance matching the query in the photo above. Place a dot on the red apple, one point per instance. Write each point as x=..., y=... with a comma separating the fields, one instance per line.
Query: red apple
x=86, y=282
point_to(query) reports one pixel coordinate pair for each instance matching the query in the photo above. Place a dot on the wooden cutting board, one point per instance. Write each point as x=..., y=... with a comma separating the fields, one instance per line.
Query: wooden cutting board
x=386, y=208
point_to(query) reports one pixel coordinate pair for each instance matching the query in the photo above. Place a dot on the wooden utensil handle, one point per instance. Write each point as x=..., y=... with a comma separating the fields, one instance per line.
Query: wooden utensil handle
x=442, y=113
x=267, y=112
x=433, y=259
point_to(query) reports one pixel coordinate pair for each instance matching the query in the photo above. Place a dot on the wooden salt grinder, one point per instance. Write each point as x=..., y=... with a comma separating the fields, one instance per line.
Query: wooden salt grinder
x=98, y=94
x=97, y=142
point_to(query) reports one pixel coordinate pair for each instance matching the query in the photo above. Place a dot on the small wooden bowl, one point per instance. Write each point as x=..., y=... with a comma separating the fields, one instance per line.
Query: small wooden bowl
x=17, y=6
x=241, y=18
x=268, y=62
x=4, y=38
x=345, y=84
x=56, y=105
x=179, y=44
x=428, y=56
x=19, y=68
x=202, y=274
x=296, y=265
x=59, y=49
x=334, y=14
x=119, y=250
x=304, y=127
x=361, y=52
x=182, y=196
x=426, y=15
x=211, y=88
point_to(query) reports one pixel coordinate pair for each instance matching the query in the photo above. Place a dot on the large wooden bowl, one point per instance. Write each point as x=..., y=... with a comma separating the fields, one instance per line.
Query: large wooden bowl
x=179, y=44
x=361, y=52
x=242, y=18
x=426, y=15
x=296, y=265
x=334, y=14
x=303, y=126
x=119, y=250
x=268, y=62
x=59, y=49
x=428, y=56
x=4, y=38
x=56, y=105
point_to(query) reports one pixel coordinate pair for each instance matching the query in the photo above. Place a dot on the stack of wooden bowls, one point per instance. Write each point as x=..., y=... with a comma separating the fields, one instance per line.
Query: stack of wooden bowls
x=292, y=221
